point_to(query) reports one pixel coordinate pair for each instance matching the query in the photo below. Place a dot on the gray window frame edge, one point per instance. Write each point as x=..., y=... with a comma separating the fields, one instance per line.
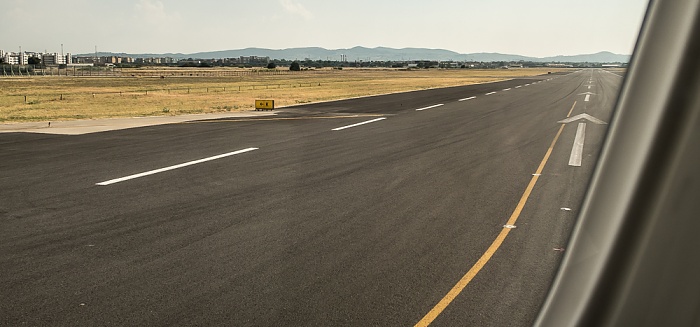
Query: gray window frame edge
x=631, y=259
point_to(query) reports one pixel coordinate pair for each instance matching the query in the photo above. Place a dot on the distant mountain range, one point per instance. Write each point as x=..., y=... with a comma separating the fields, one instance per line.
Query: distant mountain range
x=377, y=54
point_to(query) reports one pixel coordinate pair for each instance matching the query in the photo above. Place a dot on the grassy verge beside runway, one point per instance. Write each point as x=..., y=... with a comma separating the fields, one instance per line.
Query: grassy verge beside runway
x=24, y=99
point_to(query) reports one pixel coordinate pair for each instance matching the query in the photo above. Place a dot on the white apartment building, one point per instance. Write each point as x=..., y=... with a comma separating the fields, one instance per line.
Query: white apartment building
x=56, y=59
x=22, y=58
x=11, y=58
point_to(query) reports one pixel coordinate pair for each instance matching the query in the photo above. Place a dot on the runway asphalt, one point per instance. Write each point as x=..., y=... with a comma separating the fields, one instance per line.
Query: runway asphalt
x=362, y=212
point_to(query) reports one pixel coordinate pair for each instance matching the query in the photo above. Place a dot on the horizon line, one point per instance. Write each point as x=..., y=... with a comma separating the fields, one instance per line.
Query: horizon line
x=339, y=49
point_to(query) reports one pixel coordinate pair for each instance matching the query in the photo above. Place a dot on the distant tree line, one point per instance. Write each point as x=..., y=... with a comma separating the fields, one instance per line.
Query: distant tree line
x=34, y=61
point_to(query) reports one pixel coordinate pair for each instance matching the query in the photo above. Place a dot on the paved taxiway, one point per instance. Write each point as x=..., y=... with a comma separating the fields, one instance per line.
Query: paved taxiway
x=357, y=212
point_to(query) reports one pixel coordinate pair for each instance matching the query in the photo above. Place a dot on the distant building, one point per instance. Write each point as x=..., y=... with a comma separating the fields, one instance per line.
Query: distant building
x=242, y=60
x=188, y=62
x=255, y=60
x=109, y=60
x=10, y=58
x=102, y=61
x=22, y=58
x=55, y=59
x=83, y=60
x=13, y=58
x=449, y=64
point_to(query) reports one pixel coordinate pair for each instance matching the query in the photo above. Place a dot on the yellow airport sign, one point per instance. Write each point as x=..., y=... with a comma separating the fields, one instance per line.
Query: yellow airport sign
x=264, y=105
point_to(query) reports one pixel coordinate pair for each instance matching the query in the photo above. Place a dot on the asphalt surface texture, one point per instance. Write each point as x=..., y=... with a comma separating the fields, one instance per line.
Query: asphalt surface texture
x=370, y=225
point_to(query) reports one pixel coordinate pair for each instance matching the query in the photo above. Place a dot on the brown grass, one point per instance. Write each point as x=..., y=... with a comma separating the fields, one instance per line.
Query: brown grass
x=65, y=98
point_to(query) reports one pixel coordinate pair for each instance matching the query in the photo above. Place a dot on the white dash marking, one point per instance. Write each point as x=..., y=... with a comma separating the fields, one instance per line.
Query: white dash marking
x=490, y=93
x=117, y=180
x=566, y=209
x=508, y=89
x=509, y=226
x=358, y=124
x=588, y=98
x=536, y=174
x=577, y=150
x=465, y=99
x=431, y=107
x=589, y=87
x=519, y=86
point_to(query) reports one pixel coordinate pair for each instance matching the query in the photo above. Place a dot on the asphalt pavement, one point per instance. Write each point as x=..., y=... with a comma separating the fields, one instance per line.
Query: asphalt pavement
x=362, y=212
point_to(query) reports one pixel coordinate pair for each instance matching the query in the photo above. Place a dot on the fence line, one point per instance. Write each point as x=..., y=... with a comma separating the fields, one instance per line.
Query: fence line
x=31, y=98
x=25, y=71
x=28, y=71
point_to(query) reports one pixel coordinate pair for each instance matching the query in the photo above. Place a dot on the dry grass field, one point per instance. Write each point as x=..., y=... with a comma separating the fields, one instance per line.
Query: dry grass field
x=46, y=98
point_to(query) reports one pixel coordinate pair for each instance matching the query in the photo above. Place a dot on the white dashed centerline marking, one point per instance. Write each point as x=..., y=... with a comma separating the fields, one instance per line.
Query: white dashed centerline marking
x=117, y=180
x=431, y=107
x=490, y=93
x=465, y=99
x=588, y=98
x=358, y=124
x=577, y=150
x=508, y=89
x=519, y=86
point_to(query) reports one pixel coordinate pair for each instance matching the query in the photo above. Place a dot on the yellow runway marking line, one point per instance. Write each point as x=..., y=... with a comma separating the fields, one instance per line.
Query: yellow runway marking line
x=464, y=281
x=279, y=118
x=572, y=110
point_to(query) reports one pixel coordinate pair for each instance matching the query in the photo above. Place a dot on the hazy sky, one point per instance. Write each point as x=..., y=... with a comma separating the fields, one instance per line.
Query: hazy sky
x=533, y=28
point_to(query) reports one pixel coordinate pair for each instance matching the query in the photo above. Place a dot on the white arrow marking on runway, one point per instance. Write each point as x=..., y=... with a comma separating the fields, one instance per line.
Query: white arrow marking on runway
x=465, y=99
x=588, y=96
x=577, y=150
x=117, y=180
x=582, y=116
x=358, y=124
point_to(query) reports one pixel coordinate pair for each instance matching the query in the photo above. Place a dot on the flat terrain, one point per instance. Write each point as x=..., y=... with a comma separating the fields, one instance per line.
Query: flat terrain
x=51, y=98
x=362, y=212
